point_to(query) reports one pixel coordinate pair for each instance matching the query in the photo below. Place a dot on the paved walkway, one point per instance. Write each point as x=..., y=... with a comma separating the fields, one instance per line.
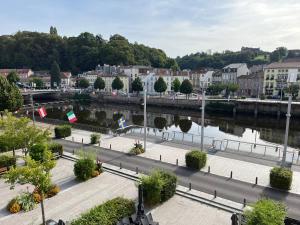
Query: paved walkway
x=244, y=171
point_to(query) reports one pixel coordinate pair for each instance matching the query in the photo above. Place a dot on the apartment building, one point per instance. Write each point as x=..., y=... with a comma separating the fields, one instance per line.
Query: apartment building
x=231, y=72
x=22, y=73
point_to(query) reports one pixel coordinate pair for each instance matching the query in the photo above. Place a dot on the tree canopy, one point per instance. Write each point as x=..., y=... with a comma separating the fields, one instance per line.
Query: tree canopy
x=10, y=96
x=55, y=75
x=117, y=84
x=176, y=85
x=293, y=89
x=83, y=83
x=160, y=85
x=37, y=81
x=99, y=83
x=137, y=85
x=13, y=77
x=186, y=87
x=76, y=54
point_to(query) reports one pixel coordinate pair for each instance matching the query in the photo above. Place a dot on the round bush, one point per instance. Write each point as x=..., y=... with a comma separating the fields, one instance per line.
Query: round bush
x=62, y=131
x=13, y=206
x=281, y=178
x=137, y=149
x=7, y=161
x=195, y=159
x=37, y=151
x=84, y=168
x=95, y=138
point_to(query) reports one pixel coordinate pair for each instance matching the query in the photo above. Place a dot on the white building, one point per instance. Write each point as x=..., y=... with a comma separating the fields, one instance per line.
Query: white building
x=206, y=79
x=231, y=72
x=91, y=76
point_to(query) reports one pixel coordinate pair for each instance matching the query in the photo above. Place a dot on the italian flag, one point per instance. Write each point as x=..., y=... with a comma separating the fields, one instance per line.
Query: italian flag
x=71, y=117
x=42, y=112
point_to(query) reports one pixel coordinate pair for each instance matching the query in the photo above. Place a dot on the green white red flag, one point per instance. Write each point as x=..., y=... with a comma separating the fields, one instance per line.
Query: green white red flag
x=71, y=117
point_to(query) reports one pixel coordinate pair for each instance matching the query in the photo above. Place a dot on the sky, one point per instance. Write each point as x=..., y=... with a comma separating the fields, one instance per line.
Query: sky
x=178, y=27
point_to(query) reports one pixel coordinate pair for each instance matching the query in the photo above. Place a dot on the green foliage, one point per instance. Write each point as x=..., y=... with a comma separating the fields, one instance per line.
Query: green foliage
x=266, y=212
x=185, y=125
x=37, y=151
x=215, y=89
x=55, y=147
x=117, y=84
x=38, y=82
x=99, y=83
x=13, y=77
x=158, y=187
x=231, y=88
x=137, y=85
x=108, y=213
x=160, y=122
x=293, y=89
x=195, y=159
x=7, y=160
x=95, y=138
x=176, y=85
x=160, y=85
x=281, y=178
x=26, y=201
x=186, y=87
x=84, y=168
x=83, y=83
x=10, y=96
x=62, y=131
x=55, y=75
x=13, y=206
x=137, y=149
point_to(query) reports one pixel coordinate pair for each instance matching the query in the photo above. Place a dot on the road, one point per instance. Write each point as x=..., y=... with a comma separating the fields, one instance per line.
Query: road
x=230, y=189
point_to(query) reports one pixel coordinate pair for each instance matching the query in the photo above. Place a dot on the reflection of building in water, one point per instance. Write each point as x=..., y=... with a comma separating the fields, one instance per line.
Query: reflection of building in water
x=231, y=128
x=277, y=136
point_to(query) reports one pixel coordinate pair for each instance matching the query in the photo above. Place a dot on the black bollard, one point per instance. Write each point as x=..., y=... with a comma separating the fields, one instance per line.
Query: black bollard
x=231, y=175
x=159, y=157
x=190, y=186
x=137, y=170
x=208, y=169
x=215, y=194
x=256, y=180
x=244, y=202
x=176, y=162
x=120, y=165
x=109, y=146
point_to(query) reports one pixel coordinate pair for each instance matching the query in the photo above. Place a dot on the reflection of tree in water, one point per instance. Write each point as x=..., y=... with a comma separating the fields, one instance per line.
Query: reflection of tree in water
x=160, y=122
x=117, y=116
x=176, y=120
x=101, y=116
x=138, y=120
x=185, y=125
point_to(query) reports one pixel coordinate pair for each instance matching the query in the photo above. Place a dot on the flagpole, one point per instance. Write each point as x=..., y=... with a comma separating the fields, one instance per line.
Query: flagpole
x=33, y=118
x=145, y=118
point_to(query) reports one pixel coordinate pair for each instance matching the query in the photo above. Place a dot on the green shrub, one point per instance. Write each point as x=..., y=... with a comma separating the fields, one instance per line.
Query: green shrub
x=195, y=159
x=158, y=187
x=3, y=144
x=243, y=97
x=137, y=149
x=26, y=201
x=266, y=211
x=62, y=131
x=7, y=161
x=55, y=147
x=95, y=138
x=109, y=213
x=262, y=97
x=37, y=151
x=83, y=168
x=281, y=178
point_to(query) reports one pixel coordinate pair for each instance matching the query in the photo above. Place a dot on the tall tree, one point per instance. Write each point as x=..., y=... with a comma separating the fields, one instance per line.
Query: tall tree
x=137, y=85
x=53, y=30
x=83, y=83
x=99, y=83
x=10, y=96
x=117, y=84
x=293, y=89
x=55, y=75
x=38, y=82
x=231, y=88
x=176, y=85
x=186, y=87
x=160, y=85
x=35, y=173
x=13, y=77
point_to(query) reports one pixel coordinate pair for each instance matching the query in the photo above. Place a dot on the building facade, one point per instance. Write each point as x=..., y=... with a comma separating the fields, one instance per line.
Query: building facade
x=231, y=72
x=23, y=74
x=251, y=85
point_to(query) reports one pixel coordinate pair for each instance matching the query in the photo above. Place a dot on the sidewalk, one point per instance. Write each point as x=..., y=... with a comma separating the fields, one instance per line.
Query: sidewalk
x=244, y=171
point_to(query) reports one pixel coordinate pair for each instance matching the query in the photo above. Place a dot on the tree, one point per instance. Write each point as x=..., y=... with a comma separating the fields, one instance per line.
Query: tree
x=215, y=89
x=83, y=83
x=137, y=85
x=117, y=84
x=10, y=96
x=231, y=88
x=13, y=77
x=266, y=212
x=176, y=85
x=36, y=173
x=53, y=30
x=55, y=75
x=293, y=89
x=38, y=82
x=160, y=85
x=99, y=83
x=186, y=87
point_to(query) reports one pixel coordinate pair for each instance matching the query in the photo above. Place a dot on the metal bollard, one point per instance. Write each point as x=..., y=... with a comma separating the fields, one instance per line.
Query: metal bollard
x=120, y=165
x=73, y=139
x=208, y=169
x=159, y=157
x=137, y=170
x=231, y=175
x=215, y=194
x=73, y=151
x=256, y=180
x=109, y=146
x=190, y=186
x=176, y=162
x=244, y=202
x=82, y=140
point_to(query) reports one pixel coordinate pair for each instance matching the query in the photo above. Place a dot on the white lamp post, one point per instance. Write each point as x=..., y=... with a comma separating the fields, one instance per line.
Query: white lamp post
x=202, y=119
x=145, y=117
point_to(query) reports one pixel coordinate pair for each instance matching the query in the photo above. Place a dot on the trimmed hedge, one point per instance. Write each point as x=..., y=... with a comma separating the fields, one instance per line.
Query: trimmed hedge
x=95, y=138
x=37, y=151
x=109, y=213
x=56, y=148
x=62, y=131
x=195, y=159
x=84, y=168
x=158, y=187
x=281, y=178
x=7, y=161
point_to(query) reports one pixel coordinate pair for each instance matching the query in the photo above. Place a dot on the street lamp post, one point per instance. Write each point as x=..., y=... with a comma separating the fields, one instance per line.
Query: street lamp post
x=202, y=119
x=286, y=136
x=145, y=117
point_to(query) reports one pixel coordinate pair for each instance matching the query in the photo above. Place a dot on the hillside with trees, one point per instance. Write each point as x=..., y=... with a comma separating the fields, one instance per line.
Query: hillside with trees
x=39, y=51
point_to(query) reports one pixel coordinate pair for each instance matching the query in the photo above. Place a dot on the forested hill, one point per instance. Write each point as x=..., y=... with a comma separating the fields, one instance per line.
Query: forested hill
x=39, y=50
x=219, y=60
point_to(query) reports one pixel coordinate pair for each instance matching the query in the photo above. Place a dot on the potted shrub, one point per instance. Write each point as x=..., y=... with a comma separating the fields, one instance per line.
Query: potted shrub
x=62, y=131
x=137, y=149
x=281, y=178
x=195, y=159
